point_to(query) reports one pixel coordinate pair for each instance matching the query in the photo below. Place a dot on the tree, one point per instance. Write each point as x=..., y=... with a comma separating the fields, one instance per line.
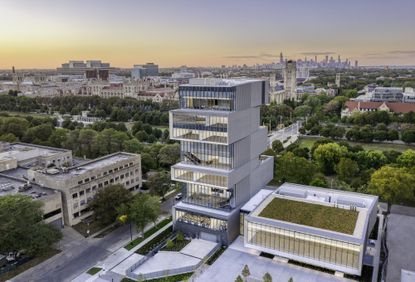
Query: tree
x=169, y=244
x=277, y=146
x=302, y=111
x=86, y=141
x=245, y=271
x=291, y=279
x=294, y=169
x=147, y=162
x=393, y=184
x=371, y=159
x=22, y=227
x=408, y=135
x=8, y=137
x=169, y=155
x=239, y=279
x=107, y=201
x=159, y=183
x=58, y=137
x=346, y=169
x=143, y=209
x=407, y=158
x=319, y=180
x=328, y=155
x=267, y=277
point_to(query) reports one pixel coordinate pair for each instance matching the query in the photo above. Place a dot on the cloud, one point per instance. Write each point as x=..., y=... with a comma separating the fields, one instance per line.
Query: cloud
x=240, y=57
x=394, y=54
x=403, y=52
x=317, y=53
x=244, y=57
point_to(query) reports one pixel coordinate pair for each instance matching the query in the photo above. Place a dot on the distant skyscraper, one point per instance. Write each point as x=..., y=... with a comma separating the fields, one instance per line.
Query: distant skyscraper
x=356, y=64
x=338, y=80
x=327, y=59
x=315, y=58
x=281, y=58
x=290, y=80
x=338, y=59
x=140, y=71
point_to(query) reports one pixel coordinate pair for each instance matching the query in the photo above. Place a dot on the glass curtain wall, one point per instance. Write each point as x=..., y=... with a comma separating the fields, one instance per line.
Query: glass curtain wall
x=305, y=245
x=210, y=155
x=200, y=177
x=199, y=127
x=201, y=220
x=207, y=98
x=208, y=196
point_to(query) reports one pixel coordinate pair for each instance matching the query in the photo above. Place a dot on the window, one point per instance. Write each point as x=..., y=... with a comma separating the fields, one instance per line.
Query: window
x=75, y=195
x=88, y=190
x=81, y=193
x=75, y=215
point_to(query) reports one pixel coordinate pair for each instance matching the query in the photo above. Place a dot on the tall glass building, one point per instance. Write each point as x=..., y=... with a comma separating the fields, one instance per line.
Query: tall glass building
x=221, y=167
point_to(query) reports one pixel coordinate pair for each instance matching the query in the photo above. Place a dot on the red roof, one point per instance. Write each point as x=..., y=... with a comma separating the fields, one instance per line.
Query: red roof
x=399, y=108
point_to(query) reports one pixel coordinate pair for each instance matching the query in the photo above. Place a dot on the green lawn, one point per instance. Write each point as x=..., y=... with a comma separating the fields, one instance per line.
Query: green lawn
x=309, y=141
x=94, y=270
x=148, y=233
x=315, y=215
x=23, y=114
x=31, y=263
x=93, y=227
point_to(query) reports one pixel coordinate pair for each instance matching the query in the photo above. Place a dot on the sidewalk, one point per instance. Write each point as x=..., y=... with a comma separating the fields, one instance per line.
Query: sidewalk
x=117, y=256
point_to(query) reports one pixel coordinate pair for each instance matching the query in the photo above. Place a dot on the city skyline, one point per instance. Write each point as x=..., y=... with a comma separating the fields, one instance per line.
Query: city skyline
x=43, y=34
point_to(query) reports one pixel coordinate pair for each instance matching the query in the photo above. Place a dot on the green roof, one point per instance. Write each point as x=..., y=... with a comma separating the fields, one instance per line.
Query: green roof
x=314, y=215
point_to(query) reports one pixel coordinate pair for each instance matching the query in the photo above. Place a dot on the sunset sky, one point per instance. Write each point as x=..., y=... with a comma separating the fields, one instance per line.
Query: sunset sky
x=47, y=33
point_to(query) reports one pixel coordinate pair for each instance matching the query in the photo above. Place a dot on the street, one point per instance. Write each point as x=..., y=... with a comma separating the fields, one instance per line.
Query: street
x=79, y=253
x=284, y=133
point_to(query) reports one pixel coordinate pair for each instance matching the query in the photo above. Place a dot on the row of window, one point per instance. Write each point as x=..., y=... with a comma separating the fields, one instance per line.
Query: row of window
x=304, y=245
x=83, y=202
x=105, y=183
x=86, y=180
x=207, y=104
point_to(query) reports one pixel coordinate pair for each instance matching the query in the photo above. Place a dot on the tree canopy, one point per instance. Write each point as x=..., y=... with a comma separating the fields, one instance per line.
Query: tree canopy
x=22, y=227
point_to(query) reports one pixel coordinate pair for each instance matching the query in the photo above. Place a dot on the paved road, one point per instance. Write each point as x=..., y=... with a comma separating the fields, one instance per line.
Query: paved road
x=284, y=133
x=79, y=254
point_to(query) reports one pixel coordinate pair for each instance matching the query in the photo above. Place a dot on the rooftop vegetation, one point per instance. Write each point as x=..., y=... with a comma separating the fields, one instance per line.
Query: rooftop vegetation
x=314, y=215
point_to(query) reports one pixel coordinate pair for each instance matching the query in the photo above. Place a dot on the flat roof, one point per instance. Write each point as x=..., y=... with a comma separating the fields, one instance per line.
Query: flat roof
x=219, y=82
x=10, y=186
x=256, y=200
x=401, y=243
x=317, y=210
x=23, y=151
x=311, y=214
x=85, y=167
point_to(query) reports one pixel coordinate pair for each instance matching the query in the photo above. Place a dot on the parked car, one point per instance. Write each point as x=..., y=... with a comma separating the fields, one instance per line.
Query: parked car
x=178, y=197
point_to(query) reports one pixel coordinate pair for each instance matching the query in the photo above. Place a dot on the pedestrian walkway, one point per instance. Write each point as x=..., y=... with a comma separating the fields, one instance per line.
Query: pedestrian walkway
x=119, y=254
